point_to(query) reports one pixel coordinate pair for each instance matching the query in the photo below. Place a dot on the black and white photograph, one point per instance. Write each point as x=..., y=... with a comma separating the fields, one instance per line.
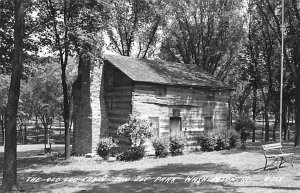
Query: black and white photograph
x=150, y=96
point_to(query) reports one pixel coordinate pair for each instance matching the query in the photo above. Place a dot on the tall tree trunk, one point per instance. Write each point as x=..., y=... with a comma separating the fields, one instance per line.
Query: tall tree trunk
x=254, y=111
x=267, y=128
x=9, y=181
x=276, y=121
x=2, y=129
x=25, y=133
x=63, y=49
x=284, y=120
x=297, y=113
x=288, y=124
x=45, y=136
x=66, y=114
x=263, y=126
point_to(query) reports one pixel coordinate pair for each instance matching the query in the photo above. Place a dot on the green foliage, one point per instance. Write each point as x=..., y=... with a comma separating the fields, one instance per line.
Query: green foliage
x=137, y=130
x=161, y=146
x=104, y=146
x=132, y=154
x=177, y=143
x=218, y=139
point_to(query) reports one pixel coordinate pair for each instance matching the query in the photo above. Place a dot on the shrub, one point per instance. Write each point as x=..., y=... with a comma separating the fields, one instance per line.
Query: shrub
x=220, y=143
x=218, y=139
x=137, y=130
x=177, y=143
x=161, y=147
x=132, y=154
x=244, y=125
x=233, y=138
x=206, y=142
x=104, y=146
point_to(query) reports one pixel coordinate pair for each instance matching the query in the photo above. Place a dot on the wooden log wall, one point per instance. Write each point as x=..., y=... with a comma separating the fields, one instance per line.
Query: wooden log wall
x=117, y=96
x=194, y=105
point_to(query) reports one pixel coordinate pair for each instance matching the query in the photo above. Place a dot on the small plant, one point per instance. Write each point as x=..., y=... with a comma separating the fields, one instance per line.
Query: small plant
x=137, y=130
x=104, y=147
x=177, y=143
x=220, y=143
x=218, y=139
x=132, y=154
x=233, y=138
x=161, y=147
x=206, y=142
x=244, y=125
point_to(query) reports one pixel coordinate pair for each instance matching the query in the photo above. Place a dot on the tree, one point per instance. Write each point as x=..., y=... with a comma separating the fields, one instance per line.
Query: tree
x=56, y=17
x=41, y=95
x=206, y=33
x=4, y=87
x=70, y=28
x=6, y=36
x=134, y=25
x=263, y=52
x=9, y=182
x=271, y=15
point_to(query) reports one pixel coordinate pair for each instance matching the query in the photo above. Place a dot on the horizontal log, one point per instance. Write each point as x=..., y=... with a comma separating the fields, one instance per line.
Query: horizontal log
x=118, y=99
x=145, y=86
x=121, y=105
x=120, y=88
x=149, y=92
x=117, y=94
x=184, y=94
x=115, y=120
x=118, y=112
x=167, y=100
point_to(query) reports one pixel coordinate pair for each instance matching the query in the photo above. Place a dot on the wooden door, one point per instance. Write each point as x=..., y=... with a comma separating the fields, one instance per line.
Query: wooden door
x=175, y=125
x=154, y=123
x=208, y=123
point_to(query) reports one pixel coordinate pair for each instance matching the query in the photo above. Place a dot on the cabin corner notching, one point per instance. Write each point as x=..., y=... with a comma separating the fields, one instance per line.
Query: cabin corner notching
x=174, y=97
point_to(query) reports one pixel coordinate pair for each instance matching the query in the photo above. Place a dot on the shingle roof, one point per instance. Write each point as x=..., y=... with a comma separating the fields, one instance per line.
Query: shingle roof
x=161, y=72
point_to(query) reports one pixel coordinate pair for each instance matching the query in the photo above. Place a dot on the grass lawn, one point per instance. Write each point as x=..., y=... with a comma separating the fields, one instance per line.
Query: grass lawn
x=222, y=171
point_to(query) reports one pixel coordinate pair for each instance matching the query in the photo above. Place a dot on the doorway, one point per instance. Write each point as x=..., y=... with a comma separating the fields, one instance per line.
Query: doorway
x=175, y=125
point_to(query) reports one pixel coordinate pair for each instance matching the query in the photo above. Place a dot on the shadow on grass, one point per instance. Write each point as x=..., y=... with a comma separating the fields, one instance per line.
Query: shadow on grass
x=149, y=187
x=256, y=147
x=31, y=159
x=167, y=178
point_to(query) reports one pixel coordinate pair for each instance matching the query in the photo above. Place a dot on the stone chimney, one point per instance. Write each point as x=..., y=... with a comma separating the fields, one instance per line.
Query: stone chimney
x=90, y=119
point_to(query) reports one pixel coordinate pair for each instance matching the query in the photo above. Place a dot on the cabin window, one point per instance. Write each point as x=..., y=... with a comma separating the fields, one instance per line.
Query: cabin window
x=176, y=112
x=175, y=125
x=154, y=122
x=161, y=91
x=211, y=96
x=208, y=123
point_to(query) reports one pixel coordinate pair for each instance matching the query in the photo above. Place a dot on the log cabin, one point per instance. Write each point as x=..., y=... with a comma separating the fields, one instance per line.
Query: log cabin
x=174, y=97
